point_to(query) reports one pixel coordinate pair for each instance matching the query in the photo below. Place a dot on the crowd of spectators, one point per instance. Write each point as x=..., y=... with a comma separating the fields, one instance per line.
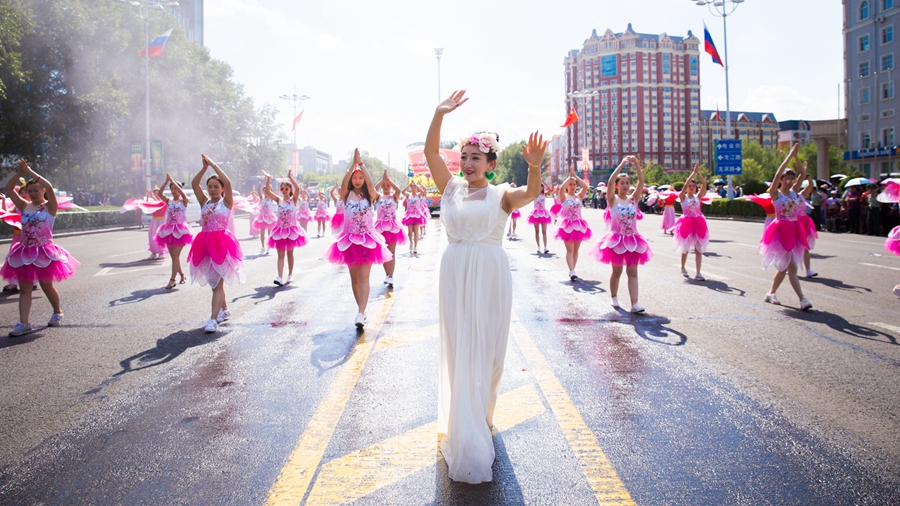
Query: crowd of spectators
x=855, y=211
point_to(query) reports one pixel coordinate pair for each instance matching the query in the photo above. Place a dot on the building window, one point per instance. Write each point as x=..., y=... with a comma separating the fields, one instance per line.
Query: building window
x=887, y=90
x=693, y=65
x=608, y=66
x=887, y=35
x=887, y=62
x=863, y=43
x=887, y=4
x=865, y=140
x=864, y=96
x=864, y=69
x=864, y=10
x=887, y=136
x=666, y=64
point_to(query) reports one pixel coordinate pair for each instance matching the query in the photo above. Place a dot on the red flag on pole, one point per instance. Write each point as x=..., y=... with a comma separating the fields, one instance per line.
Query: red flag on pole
x=571, y=118
x=296, y=120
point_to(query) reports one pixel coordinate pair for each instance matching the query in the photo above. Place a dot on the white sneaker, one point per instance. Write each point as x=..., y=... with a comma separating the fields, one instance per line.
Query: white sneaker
x=539, y=251
x=21, y=329
x=223, y=315
x=896, y=290
x=55, y=319
x=211, y=326
x=805, y=305
x=262, y=251
x=289, y=279
x=636, y=309
x=546, y=251
x=811, y=273
x=684, y=273
x=699, y=277
x=772, y=299
x=360, y=320
x=389, y=281
x=615, y=302
x=278, y=281
x=573, y=276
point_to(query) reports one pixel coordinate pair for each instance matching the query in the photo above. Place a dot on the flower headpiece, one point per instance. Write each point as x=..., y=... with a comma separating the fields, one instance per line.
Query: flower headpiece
x=486, y=142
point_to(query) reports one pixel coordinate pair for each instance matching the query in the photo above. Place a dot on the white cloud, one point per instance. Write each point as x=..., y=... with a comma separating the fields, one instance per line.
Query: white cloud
x=787, y=103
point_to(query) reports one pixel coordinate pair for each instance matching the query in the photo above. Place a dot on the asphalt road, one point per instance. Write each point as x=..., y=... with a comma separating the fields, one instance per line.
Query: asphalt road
x=712, y=397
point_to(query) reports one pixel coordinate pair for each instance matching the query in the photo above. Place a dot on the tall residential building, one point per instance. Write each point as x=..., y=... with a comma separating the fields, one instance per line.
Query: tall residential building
x=313, y=160
x=558, y=164
x=647, y=99
x=869, y=52
x=189, y=14
x=761, y=127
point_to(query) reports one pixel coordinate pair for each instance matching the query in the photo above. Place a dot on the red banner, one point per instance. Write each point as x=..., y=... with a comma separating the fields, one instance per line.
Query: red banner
x=420, y=165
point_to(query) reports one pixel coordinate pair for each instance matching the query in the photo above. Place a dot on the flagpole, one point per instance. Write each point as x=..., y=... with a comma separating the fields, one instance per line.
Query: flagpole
x=148, y=177
x=294, y=100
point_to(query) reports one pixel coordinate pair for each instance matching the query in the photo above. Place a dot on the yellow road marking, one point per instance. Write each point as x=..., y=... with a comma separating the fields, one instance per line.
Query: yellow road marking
x=600, y=474
x=419, y=334
x=362, y=472
x=296, y=475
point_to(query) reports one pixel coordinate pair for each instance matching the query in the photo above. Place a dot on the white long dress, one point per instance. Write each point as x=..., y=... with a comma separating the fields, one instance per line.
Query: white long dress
x=475, y=298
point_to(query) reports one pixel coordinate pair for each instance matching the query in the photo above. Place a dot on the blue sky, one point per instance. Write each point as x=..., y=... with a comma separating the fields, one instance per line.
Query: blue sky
x=371, y=71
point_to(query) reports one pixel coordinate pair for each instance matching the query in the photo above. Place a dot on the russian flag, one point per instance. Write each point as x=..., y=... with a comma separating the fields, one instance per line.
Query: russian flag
x=710, y=46
x=156, y=47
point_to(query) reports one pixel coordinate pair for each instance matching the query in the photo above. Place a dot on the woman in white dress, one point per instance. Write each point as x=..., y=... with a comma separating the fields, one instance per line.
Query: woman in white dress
x=475, y=290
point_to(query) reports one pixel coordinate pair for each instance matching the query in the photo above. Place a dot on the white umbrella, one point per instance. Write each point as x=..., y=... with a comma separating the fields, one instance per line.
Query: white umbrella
x=857, y=181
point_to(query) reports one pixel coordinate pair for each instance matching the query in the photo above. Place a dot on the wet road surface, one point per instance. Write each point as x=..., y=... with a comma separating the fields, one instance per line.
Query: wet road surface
x=712, y=397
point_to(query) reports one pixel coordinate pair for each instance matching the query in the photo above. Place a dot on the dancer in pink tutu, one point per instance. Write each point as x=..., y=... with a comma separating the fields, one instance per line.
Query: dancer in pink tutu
x=809, y=225
x=386, y=223
x=540, y=217
x=157, y=218
x=572, y=229
x=321, y=213
x=411, y=216
x=690, y=232
x=557, y=205
x=303, y=214
x=254, y=201
x=668, y=204
x=358, y=245
x=513, y=218
x=265, y=220
x=175, y=233
x=424, y=212
x=623, y=247
x=785, y=240
x=35, y=257
x=337, y=221
x=891, y=194
x=215, y=258
x=287, y=234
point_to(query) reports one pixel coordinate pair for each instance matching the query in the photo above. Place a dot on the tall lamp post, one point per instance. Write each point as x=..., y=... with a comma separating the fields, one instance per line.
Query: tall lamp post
x=438, y=51
x=144, y=10
x=294, y=100
x=583, y=96
x=723, y=9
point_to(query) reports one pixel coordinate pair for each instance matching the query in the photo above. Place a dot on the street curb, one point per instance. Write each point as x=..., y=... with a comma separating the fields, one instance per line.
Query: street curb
x=83, y=231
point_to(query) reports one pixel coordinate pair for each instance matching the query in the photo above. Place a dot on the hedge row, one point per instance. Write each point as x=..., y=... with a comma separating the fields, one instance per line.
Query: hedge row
x=86, y=220
x=724, y=207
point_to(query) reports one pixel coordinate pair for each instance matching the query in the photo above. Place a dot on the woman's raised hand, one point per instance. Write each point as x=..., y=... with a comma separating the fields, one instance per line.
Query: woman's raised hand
x=534, y=150
x=357, y=158
x=456, y=99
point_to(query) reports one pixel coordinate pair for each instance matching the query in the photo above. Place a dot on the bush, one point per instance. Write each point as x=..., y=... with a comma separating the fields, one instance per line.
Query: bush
x=86, y=220
x=736, y=207
x=751, y=187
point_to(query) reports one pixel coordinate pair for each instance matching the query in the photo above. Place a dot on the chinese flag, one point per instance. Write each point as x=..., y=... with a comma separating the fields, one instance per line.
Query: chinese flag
x=296, y=120
x=571, y=118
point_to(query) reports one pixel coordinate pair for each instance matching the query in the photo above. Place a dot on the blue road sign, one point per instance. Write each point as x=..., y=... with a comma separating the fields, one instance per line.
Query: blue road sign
x=729, y=161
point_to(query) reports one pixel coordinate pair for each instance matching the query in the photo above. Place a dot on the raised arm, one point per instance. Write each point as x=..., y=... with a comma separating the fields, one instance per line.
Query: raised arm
x=801, y=175
x=533, y=152
x=639, y=170
x=198, y=179
x=683, y=191
x=439, y=171
x=345, y=182
x=227, y=194
x=181, y=195
x=10, y=187
x=52, y=204
x=295, y=186
x=776, y=179
x=396, y=193
x=159, y=191
x=268, y=188
x=703, y=185
x=611, y=184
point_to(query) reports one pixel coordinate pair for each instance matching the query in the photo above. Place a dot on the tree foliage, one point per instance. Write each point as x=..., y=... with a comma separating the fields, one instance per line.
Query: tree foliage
x=75, y=91
x=511, y=165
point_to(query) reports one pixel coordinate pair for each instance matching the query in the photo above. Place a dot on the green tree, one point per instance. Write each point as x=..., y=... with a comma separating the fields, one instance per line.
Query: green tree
x=14, y=24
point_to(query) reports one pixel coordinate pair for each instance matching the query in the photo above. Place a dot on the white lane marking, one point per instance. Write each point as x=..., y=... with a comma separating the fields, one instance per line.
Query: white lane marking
x=885, y=326
x=882, y=266
x=754, y=246
x=862, y=242
x=126, y=254
x=106, y=270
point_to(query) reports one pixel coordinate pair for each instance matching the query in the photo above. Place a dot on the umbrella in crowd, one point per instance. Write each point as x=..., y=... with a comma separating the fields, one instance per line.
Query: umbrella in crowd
x=838, y=176
x=857, y=181
x=719, y=181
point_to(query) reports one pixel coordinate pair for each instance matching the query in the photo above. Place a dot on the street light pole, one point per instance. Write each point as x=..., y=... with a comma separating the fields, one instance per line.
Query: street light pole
x=294, y=100
x=143, y=12
x=722, y=9
x=438, y=51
